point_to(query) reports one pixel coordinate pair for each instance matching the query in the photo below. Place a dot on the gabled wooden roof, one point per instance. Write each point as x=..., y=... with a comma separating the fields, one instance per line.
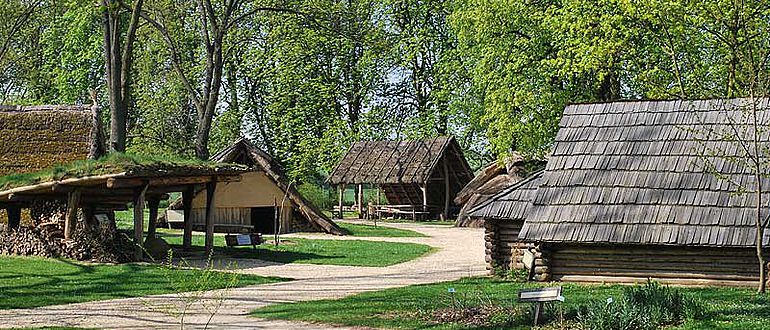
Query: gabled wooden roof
x=245, y=153
x=395, y=162
x=511, y=203
x=632, y=173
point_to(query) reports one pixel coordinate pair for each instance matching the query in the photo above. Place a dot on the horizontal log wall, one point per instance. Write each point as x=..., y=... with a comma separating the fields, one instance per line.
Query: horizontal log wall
x=673, y=265
x=504, y=251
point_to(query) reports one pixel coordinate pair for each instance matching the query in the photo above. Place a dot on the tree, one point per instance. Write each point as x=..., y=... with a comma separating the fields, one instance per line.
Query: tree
x=118, y=56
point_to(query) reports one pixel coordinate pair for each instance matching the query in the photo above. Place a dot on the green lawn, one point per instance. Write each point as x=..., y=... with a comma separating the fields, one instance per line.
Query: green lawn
x=411, y=307
x=27, y=282
x=316, y=251
x=367, y=230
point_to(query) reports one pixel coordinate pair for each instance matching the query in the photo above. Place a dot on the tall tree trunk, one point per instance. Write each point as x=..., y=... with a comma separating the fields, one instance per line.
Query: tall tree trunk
x=118, y=60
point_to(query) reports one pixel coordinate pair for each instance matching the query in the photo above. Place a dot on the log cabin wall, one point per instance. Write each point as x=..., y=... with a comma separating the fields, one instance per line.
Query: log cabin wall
x=693, y=266
x=504, y=250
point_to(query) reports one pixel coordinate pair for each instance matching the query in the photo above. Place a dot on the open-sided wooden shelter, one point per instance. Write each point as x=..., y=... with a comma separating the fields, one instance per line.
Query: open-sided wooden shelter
x=113, y=183
x=417, y=177
x=626, y=196
x=253, y=202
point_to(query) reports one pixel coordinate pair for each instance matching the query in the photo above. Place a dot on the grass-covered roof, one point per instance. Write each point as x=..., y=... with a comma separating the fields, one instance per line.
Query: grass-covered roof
x=116, y=163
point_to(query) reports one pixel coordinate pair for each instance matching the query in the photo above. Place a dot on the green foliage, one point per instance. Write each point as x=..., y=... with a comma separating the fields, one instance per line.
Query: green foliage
x=645, y=307
x=322, y=198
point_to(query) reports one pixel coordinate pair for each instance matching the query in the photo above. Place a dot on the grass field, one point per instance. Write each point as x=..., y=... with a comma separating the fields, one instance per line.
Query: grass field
x=316, y=251
x=28, y=282
x=411, y=307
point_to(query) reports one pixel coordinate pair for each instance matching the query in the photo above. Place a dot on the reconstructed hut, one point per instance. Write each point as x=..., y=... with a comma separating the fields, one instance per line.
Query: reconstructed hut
x=420, y=178
x=490, y=181
x=626, y=195
x=504, y=215
x=254, y=202
x=38, y=137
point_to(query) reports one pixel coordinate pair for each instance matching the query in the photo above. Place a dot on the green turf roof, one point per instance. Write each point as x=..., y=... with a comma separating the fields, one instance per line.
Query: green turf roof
x=115, y=163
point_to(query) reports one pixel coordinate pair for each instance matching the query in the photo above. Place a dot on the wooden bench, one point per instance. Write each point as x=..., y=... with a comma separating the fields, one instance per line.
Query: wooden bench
x=253, y=239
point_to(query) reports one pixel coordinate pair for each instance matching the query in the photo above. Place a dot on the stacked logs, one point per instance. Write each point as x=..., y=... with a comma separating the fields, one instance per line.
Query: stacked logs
x=542, y=263
x=47, y=240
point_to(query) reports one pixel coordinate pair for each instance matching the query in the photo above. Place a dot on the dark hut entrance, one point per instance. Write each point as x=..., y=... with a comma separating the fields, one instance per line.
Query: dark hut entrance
x=263, y=219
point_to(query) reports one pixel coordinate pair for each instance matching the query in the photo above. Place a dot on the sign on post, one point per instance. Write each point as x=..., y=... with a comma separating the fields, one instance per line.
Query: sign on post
x=540, y=296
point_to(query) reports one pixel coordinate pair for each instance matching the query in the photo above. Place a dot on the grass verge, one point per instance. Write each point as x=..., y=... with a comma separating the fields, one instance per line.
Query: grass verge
x=316, y=251
x=412, y=307
x=28, y=282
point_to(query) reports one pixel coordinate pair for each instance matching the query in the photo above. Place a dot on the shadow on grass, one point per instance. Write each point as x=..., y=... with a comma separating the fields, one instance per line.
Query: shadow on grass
x=261, y=253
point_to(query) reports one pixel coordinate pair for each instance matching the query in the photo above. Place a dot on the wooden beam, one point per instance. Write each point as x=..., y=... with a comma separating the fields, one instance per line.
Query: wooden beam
x=187, y=198
x=211, y=188
x=49, y=185
x=139, y=199
x=73, y=200
x=152, y=203
x=169, y=181
x=341, y=189
x=14, y=216
x=424, y=189
x=447, y=187
x=360, y=201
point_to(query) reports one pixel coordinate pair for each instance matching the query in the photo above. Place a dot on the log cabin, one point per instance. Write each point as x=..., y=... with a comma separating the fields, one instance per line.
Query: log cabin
x=647, y=190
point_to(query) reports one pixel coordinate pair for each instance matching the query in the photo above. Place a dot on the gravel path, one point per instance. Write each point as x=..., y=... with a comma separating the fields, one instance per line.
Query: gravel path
x=460, y=254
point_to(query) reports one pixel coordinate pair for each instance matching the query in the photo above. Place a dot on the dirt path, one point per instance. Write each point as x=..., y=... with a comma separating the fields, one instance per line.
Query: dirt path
x=460, y=254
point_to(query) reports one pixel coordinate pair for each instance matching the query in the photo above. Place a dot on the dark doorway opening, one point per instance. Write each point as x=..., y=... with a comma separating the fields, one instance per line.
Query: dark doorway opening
x=263, y=219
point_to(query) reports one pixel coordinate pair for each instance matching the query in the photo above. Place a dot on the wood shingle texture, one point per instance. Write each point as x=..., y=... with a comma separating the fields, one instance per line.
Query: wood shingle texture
x=401, y=168
x=504, y=215
x=37, y=137
x=635, y=173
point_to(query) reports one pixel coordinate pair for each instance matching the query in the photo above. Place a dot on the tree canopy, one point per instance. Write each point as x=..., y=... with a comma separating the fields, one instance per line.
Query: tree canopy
x=305, y=79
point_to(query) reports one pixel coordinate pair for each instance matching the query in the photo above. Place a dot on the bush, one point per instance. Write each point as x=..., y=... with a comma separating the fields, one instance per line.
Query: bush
x=317, y=195
x=645, y=307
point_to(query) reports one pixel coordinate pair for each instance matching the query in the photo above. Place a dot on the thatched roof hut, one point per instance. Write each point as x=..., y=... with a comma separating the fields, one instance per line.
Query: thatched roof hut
x=426, y=173
x=252, y=201
x=626, y=195
x=490, y=181
x=37, y=137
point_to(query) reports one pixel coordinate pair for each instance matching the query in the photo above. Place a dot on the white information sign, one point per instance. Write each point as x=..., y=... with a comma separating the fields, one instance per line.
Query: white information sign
x=243, y=239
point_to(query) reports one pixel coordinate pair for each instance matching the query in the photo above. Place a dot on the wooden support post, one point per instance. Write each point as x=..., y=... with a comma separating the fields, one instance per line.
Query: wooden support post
x=73, y=199
x=152, y=203
x=211, y=188
x=14, y=216
x=139, y=198
x=89, y=223
x=187, y=197
x=447, y=187
x=341, y=188
x=360, y=201
x=424, y=189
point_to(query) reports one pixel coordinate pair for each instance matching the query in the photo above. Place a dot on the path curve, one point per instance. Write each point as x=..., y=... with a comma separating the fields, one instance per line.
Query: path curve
x=460, y=254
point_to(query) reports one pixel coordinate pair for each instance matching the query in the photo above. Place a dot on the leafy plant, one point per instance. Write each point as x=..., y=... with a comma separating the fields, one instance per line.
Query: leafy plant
x=645, y=307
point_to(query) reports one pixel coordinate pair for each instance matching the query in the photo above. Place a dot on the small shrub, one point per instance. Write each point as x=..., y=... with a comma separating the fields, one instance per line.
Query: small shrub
x=317, y=195
x=516, y=275
x=644, y=307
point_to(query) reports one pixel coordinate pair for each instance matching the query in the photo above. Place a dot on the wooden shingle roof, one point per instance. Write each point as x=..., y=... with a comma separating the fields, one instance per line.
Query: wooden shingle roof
x=511, y=203
x=633, y=173
x=395, y=162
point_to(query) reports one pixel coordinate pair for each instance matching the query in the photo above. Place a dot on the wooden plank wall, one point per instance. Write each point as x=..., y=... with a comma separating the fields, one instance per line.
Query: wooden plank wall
x=223, y=216
x=672, y=265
